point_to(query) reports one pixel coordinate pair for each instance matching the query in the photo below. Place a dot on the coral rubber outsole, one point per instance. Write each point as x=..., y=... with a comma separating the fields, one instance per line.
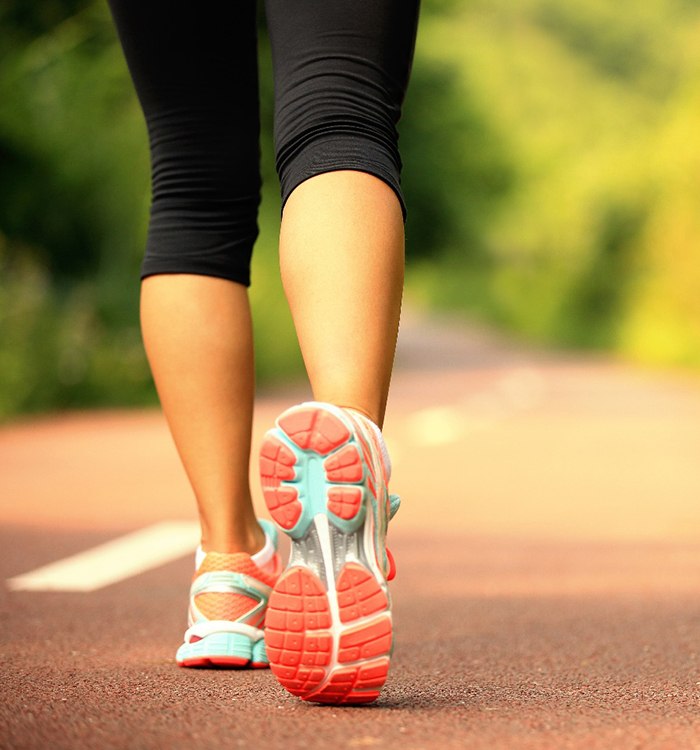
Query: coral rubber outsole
x=328, y=629
x=222, y=661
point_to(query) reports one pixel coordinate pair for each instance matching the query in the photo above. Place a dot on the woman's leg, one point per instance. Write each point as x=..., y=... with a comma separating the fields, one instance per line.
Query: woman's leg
x=195, y=72
x=341, y=70
x=198, y=337
x=342, y=261
x=341, y=73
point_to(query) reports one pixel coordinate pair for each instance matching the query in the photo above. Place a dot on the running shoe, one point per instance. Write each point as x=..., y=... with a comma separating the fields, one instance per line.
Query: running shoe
x=328, y=629
x=228, y=601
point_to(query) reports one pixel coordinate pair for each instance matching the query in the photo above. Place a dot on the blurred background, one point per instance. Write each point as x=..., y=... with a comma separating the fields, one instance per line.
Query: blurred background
x=544, y=413
x=552, y=170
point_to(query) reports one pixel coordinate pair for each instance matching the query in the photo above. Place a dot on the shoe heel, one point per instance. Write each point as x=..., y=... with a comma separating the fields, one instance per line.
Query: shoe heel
x=309, y=464
x=329, y=647
x=222, y=650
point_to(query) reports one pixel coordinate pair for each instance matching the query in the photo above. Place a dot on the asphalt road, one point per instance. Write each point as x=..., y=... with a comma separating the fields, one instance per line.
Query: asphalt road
x=548, y=569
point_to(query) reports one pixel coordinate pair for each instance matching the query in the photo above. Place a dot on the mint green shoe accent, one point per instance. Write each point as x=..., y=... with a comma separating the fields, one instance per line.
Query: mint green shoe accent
x=394, y=505
x=271, y=530
x=228, y=581
x=259, y=653
x=222, y=646
x=312, y=486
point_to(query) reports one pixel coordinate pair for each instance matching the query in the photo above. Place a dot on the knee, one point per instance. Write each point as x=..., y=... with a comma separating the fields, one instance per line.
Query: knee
x=341, y=118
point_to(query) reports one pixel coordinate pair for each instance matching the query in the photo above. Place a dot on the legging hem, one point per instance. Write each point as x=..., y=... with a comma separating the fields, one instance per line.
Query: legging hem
x=308, y=174
x=238, y=277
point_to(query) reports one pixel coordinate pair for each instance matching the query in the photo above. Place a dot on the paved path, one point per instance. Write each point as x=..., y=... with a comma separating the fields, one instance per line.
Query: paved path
x=549, y=569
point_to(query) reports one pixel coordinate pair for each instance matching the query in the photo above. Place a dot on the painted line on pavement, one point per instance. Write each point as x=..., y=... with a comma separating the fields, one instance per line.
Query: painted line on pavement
x=113, y=561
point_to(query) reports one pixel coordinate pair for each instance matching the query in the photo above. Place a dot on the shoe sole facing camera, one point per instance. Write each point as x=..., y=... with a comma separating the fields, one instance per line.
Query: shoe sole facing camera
x=328, y=630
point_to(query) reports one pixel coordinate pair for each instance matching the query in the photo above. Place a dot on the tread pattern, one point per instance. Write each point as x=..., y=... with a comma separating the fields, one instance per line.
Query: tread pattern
x=297, y=635
x=344, y=466
x=359, y=595
x=314, y=429
x=345, y=502
x=300, y=639
x=318, y=432
x=277, y=465
x=327, y=651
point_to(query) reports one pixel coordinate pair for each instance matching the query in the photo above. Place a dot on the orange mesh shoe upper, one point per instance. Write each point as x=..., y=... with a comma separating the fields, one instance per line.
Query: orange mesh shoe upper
x=224, y=606
x=236, y=562
x=230, y=586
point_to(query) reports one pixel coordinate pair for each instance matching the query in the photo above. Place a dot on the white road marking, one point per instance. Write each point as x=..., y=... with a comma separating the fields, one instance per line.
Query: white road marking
x=113, y=561
x=518, y=389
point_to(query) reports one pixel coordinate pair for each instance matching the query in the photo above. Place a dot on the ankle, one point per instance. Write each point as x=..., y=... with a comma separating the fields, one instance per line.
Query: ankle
x=377, y=429
x=373, y=416
x=249, y=540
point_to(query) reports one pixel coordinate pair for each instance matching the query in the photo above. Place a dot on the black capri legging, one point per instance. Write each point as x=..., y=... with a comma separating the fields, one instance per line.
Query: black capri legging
x=341, y=68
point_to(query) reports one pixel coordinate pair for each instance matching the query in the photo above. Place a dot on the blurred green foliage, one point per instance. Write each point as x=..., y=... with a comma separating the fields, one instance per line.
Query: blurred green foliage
x=552, y=174
x=596, y=106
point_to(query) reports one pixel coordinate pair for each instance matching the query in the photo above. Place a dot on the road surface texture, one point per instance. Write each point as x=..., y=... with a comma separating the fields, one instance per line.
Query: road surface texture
x=548, y=589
